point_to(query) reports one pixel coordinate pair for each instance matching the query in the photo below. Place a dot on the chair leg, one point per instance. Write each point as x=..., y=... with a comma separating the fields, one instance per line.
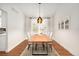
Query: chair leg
x=50, y=47
x=28, y=46
x=36, y=46
x=47, y=47
x=43, y=46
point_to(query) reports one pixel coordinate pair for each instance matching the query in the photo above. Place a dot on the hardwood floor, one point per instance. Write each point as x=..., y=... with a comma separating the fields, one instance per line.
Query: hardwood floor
x=40, y=52
x=22, y=46
x=60, y=50
x=17, y=50
x=2, y=53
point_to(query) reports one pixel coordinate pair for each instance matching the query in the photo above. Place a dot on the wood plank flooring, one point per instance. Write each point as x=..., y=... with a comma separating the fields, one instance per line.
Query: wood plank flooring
x=19, y=49
x=60, y=50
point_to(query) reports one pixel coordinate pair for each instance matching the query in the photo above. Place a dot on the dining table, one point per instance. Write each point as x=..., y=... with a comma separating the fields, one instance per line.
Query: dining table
x=40, y=39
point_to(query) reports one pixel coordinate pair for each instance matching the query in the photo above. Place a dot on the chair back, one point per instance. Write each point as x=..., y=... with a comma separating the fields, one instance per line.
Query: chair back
x=50, y=35
x=29, y=35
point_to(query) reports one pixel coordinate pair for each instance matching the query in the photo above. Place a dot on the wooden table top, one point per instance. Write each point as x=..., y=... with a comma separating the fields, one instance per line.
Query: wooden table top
x=40, y=38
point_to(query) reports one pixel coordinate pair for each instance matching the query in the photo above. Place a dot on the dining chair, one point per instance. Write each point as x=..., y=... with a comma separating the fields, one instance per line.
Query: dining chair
x=29, y=35
x=50, y=45
x=50, y=35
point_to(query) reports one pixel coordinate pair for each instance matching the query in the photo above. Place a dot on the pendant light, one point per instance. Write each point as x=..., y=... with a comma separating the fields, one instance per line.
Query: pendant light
x=39, y=20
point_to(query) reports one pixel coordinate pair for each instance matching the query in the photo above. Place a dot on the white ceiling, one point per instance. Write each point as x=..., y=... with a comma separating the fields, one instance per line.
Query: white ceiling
x=32, y=9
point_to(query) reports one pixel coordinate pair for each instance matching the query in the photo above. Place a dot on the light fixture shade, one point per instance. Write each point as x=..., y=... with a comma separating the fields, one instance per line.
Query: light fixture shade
x=39, y=20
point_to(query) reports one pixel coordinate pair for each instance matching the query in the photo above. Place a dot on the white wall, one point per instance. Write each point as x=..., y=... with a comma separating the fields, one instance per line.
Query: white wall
x=69, y=39
x=51, y=26
x=15, y=26
x=27, y=27
x=15, y=29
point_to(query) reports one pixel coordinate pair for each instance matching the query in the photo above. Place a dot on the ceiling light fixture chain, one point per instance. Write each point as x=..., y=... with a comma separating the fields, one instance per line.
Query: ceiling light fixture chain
x=39, y=8
x=39, y=20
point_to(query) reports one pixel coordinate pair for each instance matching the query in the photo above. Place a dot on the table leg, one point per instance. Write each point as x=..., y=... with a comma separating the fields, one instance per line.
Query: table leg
x=35, y=46
x=47, y=47
x=43, y=46
x=28, y=46
x=32, y=47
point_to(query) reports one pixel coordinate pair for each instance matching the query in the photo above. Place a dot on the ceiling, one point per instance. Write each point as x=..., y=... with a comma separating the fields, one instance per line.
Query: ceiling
x=32, y=9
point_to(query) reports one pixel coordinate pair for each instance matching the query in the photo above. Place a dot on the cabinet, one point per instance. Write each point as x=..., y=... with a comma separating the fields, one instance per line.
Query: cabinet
x=3, y=42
